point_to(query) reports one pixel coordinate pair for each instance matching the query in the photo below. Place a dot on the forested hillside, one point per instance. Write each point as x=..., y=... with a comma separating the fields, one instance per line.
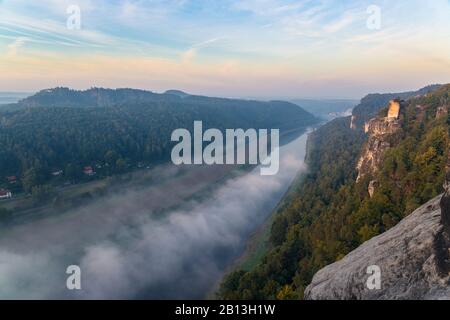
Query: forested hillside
x=331, y=214
x=62, y=131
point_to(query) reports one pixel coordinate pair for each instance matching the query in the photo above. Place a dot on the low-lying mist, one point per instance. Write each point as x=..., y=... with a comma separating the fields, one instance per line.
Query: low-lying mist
x=126, y=251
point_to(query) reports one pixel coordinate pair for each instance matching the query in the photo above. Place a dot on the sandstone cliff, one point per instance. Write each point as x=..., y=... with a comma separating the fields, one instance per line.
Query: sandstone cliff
x=373, y=103
x=379, y=132
x=412, y=258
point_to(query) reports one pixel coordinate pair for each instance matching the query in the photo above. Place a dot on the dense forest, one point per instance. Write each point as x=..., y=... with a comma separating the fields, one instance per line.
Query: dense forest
x=330, y=214
x=62, y=131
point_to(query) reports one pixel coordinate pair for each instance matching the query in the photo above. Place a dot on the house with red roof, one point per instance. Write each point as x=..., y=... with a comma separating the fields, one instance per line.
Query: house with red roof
x=5, y=194
x=11, y=179
x=89, y=171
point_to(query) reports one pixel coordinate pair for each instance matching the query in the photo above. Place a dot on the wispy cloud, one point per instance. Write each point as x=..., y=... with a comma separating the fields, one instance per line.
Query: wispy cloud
x=269, y=7
x=303, y=36
x=13, y=47
x=50, y=30
x=338, y=25
x=190, y=54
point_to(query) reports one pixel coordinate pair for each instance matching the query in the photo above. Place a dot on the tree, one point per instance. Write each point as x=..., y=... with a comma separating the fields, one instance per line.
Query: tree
x=29, y=179
x=286, y=293
x=72, y=172
x=120, y=165
x=42, y=193
x=111, y=157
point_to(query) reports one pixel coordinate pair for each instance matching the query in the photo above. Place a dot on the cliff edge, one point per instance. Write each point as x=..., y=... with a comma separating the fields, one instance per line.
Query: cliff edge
x=412, y=258
x=380, y=131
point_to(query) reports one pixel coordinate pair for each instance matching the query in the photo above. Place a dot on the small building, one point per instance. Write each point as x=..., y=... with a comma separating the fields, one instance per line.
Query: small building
x=5, y=194
x=57, y=173
x=89, y=171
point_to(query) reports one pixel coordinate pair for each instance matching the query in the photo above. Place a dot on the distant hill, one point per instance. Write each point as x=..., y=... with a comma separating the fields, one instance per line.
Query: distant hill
x=178, y=93
x=64, y=129
x=12, y=97
x=94, y=97
x=329, y=108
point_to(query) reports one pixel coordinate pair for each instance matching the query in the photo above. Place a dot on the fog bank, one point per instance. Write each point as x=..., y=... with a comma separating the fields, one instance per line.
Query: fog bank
x=125, y=252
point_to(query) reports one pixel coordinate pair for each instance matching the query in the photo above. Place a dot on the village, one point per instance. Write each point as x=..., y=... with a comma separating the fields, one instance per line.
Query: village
x=11, y=186
x=5, y=193
x=61, y=193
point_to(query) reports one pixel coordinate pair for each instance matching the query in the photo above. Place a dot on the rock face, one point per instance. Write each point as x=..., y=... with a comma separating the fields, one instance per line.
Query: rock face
x=352, y=123
x=373, y=185
x=445, y=206
x=413, y=259
x=373, y=103
x=442, y=111
x=379, y=131
x=394, y=109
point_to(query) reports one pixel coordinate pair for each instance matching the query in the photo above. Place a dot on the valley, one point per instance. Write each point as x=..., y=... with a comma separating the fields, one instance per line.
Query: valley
x=232, y=203
x=200, y=155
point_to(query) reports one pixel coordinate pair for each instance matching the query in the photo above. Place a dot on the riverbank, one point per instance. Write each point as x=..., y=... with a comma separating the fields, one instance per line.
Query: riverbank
x=257, y=244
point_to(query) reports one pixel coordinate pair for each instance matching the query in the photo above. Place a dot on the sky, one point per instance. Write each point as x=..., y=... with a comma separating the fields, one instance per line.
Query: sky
x=257, y=48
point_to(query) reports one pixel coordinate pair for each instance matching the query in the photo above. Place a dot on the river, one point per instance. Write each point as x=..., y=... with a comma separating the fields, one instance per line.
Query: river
x=126, y=252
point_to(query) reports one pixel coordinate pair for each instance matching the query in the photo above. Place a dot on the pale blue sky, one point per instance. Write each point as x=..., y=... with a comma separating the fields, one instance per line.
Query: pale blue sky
x=224, y=47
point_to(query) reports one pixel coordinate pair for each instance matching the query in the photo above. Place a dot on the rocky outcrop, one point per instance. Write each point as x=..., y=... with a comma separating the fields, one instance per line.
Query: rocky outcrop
x=412, y=259
x=445, y=212
x=444, y=107
x=379, y=131
x=442, y=111
x=373, y=185
x=352, y=123
x=394, y=109
x=373, y=103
